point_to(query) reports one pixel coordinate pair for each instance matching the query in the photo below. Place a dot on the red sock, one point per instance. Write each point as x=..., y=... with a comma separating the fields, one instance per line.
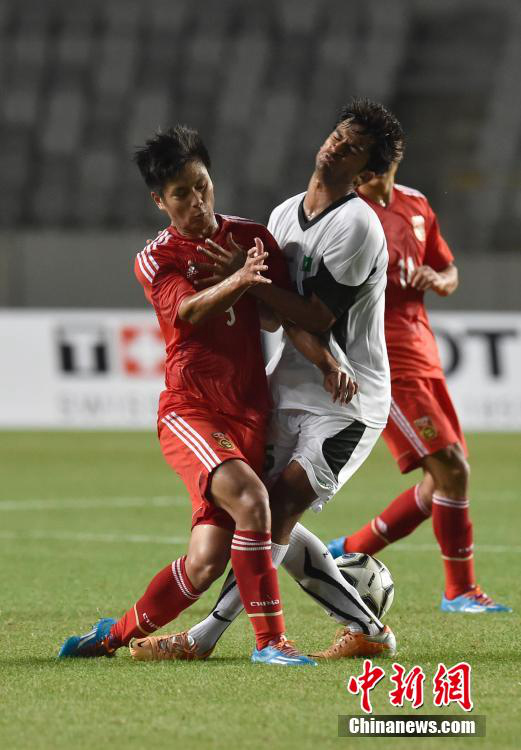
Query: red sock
x=453, y=530
x=402, y=516
x=168, y=593
x=258, y=584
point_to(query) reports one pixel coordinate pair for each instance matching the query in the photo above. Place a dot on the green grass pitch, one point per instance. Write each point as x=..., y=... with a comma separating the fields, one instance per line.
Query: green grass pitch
x=86, y=519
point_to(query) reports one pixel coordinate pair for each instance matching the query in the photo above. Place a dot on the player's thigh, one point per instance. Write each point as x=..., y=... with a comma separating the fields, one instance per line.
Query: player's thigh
x=234, y=486
x=422, y=421
x=195, y=445
x=283, y=431
x=330, y=449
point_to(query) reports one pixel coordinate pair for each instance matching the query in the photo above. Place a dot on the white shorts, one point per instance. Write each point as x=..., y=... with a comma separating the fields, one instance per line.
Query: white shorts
x=329, y=448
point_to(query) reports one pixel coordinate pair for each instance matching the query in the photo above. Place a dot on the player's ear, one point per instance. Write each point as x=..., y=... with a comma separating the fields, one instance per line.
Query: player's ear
x=158, y=201
x=363, y=177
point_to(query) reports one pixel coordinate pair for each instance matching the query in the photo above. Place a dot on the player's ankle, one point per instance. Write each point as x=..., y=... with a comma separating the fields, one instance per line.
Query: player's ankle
x=268, y=640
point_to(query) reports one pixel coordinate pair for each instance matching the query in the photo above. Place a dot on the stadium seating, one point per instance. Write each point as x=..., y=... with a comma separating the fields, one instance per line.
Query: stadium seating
x=85, y=82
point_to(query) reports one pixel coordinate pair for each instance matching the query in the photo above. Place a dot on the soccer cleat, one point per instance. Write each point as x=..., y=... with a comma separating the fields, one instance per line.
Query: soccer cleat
x=336, y=547
x=474, y=602
x=180, y=646
x=93, y=643
x=282, y=653
x=348, y=643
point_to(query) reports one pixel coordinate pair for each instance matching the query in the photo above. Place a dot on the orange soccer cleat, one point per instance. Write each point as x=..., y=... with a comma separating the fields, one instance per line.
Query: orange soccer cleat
x=179, y=646
x=348, y=643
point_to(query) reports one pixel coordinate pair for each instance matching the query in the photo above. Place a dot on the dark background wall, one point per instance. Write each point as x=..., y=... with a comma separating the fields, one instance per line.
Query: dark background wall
x=83, y=83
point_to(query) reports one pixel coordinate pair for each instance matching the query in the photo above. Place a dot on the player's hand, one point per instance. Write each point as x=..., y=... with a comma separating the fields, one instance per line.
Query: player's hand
x=251, y=273
x=341, y=387
x=425, y=277
x=223, y=261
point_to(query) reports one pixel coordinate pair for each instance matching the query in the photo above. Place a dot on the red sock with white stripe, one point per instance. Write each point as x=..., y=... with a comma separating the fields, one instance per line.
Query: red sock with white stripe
x=453, y=530
x=401, y=516
x=258, y=584
x=167, y=595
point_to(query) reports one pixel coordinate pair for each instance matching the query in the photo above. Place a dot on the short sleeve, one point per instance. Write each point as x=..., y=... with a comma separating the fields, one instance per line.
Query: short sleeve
x=438, y=254
x=168, y=291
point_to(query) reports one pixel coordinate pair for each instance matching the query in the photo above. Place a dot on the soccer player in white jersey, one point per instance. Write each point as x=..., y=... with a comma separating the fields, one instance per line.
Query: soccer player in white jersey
x=337, y=255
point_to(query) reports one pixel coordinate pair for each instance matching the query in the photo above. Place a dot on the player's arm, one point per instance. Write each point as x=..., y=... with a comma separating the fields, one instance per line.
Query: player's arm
x=442, y=282
x=438, y=272
x=313, y=347
x=308, y=312
x=215, y=300
x=269, y=321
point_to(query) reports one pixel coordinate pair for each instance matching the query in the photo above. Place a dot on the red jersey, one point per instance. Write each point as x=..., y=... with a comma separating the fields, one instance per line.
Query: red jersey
x=413, y=239
x=217, y=363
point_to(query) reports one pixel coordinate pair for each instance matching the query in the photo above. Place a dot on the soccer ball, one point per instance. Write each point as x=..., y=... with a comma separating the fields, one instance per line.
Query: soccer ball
x=371, y=579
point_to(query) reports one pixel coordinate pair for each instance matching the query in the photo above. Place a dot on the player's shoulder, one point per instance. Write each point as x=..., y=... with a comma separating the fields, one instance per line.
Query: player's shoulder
x=156, y=255
x=359, y=217
x=232, y=219
x=411, y=195
x=242, y=227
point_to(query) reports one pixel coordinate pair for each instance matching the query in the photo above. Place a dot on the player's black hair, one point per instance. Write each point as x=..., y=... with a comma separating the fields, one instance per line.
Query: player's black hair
x=383, y=127
x=165, y=154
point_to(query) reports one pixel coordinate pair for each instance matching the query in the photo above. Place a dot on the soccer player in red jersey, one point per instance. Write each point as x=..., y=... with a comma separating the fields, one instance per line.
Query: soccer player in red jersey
x=213, y=413
x=423, y=430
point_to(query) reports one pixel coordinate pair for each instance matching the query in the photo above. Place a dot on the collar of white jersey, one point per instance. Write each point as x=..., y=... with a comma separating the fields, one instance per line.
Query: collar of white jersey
x=306, y=223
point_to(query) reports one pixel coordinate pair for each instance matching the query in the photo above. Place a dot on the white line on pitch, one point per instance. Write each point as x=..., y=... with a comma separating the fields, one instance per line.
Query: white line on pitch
x=72, y=536
x=82, y=503
x=85, y=536
x=407, y=547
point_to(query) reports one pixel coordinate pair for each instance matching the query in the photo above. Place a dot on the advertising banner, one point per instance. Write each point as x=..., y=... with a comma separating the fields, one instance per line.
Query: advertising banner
x=104, y=368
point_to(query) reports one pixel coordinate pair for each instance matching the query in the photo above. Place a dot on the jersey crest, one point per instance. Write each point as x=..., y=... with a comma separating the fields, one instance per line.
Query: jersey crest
x=426, y=428
x=223, y=441
x=418, y=225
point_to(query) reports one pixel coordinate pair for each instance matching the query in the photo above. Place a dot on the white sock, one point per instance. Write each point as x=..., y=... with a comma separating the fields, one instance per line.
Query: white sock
x=309, y=562
x=227, y=607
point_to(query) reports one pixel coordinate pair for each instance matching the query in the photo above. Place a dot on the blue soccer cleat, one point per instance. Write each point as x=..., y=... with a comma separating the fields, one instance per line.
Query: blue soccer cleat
x=474, y=602
x=336, y=547
x=283, y=653
x=93, y=643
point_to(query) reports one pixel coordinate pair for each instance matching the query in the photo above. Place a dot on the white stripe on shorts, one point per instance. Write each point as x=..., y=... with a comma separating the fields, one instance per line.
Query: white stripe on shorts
x=406, y=429
x=173, y=427
x=198, y=438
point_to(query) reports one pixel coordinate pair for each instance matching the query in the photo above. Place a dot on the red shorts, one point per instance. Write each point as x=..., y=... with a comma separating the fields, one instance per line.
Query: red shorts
x=422, y=421
x=194, y=442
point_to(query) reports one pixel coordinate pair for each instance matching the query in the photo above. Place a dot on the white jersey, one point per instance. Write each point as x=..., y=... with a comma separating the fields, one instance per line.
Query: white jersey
x=341, y=256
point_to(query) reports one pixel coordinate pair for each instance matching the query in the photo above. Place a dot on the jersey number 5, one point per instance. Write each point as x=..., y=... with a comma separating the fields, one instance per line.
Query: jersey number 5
x=231, y=319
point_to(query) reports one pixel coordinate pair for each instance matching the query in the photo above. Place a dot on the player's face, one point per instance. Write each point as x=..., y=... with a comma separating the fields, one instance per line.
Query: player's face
x=189, y=202
x=344, y=154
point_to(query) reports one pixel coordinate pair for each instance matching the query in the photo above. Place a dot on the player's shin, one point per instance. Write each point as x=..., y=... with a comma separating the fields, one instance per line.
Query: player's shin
x=453, y=530
x=404, y=514
x=167, y=595
x=311, y=565
x=227, y=608
x=258, y=584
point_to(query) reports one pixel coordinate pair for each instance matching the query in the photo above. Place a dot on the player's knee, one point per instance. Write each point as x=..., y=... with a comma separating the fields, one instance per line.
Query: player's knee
x=203, y=571
x=290, y=505
x=254, y=508
x=456, y=473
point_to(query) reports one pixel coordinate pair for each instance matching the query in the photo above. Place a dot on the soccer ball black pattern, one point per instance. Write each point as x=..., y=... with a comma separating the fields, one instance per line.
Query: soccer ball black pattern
x=371, y=578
